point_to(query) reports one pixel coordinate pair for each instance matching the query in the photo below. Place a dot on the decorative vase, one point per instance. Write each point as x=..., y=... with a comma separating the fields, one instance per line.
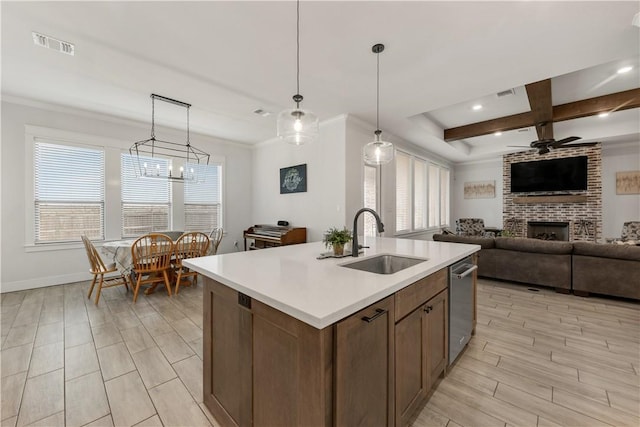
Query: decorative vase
x=338, y=249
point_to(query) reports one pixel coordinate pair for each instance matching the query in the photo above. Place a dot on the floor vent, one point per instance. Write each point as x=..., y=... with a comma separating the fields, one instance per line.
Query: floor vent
x=52, y=43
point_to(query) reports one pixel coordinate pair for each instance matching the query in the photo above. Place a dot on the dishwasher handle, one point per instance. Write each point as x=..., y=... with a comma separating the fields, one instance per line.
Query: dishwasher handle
x=466, y=272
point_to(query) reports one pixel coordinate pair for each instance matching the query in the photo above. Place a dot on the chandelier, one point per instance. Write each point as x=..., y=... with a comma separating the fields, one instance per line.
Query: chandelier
x=378, y=152
x=142, y=152
x=297, y=126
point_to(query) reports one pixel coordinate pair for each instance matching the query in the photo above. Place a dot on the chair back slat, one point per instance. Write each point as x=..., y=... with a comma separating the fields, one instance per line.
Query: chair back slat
x=95, y=260
x=151, y=253
x=191, y=245
x=216, y=238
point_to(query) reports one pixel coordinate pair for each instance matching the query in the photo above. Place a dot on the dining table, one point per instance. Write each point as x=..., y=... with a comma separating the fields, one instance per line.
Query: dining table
x=120, y=252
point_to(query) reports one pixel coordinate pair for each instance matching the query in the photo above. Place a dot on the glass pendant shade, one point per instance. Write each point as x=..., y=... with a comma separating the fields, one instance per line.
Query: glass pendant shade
x=298, y=126
x=378, y=152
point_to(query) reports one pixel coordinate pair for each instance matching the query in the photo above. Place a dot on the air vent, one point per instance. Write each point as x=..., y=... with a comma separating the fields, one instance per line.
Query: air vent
x=523, y=130
x=507, y=92
x=52, y=43
x=261, y=112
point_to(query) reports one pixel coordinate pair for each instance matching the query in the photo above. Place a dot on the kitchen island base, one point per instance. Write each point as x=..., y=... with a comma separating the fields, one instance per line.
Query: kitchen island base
x=263, y=367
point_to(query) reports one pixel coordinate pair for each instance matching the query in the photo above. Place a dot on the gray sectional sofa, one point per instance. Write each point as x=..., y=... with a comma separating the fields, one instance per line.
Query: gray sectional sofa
x=579, y=266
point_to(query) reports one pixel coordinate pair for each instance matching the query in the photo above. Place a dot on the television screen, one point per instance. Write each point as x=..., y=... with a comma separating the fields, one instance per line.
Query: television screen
x=549, y=175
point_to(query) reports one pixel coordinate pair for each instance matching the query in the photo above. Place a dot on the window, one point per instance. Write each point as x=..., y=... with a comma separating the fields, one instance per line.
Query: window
x=403, y=192
x=69, y=192
x=422, y=194
x=203, y=199
x=370, y=198
x=146, y=202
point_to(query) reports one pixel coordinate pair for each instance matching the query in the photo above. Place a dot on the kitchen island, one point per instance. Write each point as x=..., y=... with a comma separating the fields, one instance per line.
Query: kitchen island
x=293, y=340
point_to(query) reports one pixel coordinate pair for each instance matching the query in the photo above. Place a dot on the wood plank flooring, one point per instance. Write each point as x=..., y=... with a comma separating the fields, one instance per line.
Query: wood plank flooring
x=538, y=359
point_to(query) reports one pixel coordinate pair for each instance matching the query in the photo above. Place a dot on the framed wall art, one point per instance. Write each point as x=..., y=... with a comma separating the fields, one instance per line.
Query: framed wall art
x=628, y=182
x=480, y=190
x=293, y=179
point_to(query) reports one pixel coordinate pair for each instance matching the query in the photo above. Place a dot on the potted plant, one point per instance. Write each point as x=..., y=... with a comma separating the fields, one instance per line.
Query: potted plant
x=337, y=239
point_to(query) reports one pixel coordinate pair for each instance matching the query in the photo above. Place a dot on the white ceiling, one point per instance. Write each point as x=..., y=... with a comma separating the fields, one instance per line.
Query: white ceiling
x=229, y=58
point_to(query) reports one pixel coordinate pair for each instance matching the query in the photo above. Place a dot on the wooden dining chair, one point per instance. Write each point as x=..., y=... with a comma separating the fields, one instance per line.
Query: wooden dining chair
x=98, y=268
x=151, y=261
x=189, y=245
x=216, y=237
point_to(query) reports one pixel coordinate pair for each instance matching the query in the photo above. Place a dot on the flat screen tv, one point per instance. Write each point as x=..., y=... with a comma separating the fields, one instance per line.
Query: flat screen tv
x=568, y=174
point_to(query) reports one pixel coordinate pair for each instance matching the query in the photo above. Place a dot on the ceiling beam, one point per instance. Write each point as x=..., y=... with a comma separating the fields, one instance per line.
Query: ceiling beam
x=539, y=94
x=600, y=104
x=572, y=110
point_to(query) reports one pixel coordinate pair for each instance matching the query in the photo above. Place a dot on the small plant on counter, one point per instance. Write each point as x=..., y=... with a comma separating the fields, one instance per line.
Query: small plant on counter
x=336, y=238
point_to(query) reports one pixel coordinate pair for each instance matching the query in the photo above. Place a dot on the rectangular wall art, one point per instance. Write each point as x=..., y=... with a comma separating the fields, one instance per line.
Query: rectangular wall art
x=293, y=179
x=628, y=182
x=480, y=190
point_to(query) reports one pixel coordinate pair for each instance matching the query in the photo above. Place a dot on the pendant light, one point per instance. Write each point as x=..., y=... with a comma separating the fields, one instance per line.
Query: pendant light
x=297, y=126
x=378, y=152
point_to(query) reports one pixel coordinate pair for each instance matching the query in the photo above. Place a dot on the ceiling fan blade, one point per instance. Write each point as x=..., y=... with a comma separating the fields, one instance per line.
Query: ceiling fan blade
x=582, y=144
x=560, y=142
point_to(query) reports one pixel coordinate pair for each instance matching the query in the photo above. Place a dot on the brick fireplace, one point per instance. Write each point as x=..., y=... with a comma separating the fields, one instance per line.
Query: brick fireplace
x=581, y=211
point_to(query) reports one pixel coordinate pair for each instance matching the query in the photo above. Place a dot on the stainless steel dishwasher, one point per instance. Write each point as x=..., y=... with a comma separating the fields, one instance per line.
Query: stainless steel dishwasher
x=460, y=306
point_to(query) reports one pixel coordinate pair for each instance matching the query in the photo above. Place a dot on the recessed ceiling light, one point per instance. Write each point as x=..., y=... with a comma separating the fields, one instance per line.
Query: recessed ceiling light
x=625, y=69
x=603, y=114
x=477, y=107
x=497, y=133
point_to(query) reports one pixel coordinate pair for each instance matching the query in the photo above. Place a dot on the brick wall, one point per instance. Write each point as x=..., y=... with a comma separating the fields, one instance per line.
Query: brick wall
x=591, y=210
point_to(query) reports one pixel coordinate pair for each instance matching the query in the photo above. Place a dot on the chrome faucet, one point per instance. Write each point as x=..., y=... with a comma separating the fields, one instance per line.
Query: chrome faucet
x=354, y=247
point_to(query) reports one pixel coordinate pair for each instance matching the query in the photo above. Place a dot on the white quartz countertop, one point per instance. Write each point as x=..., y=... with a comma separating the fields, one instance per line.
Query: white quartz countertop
x=321, y=292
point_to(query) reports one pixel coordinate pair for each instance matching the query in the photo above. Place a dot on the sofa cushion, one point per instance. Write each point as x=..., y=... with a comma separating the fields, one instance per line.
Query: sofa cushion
x=484, y=242
x=524, y=244
x=607, y=250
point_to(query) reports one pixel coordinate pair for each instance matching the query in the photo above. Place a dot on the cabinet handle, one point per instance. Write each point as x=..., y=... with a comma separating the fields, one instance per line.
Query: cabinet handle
x=379, y=312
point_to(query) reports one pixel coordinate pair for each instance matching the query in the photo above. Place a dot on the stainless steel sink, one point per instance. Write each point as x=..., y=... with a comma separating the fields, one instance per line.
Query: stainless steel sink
x=384, y=264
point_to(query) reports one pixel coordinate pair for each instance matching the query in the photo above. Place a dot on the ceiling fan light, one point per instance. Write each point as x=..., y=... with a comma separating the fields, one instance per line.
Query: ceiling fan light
x=297, y=126
x=378, y=152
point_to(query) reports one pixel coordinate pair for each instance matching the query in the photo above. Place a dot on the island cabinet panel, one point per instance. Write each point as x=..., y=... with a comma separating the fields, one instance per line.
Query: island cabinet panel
x=437, y=326
x=411, y=365
x=416, y=294
x=364, y=367
x=227, y=378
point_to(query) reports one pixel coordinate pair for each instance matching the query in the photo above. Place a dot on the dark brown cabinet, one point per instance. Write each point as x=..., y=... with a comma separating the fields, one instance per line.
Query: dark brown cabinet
x=364, y=367
x=421, y=345
x=263, y=367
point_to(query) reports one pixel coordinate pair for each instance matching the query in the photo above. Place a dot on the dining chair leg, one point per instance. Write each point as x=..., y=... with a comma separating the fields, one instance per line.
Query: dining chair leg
x=99, y=288
x=178, y=281
x=135, y=292
x=93, y=283
x=167, y=284
x=126, y=282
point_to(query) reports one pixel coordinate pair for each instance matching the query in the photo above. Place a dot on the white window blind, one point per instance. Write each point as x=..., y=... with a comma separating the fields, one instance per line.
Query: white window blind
x=370, y=198
x=444, y=197
x=69, y=192
x=434, y=195
x=146, y=202
x=203, y=198
x=403, y=192
x=419, y=194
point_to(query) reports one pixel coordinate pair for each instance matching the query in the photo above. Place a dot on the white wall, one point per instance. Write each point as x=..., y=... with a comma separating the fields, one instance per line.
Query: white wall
x=323, y=204
x=25, y=268
x=617, y=209
x=488, y=209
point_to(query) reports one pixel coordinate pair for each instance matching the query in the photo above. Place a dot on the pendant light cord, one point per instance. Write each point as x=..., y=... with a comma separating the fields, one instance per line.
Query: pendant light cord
x=298, y=51
x=378, y=92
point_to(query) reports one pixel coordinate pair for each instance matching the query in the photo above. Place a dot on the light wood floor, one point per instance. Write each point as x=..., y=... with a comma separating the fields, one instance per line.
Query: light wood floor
x=538, y=359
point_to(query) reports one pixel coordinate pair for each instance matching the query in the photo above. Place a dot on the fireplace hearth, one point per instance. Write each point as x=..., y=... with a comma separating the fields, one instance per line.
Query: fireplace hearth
x=548, y=230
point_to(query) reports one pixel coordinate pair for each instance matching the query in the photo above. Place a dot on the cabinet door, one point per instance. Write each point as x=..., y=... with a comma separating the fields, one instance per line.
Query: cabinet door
x=364, y=367
x=411, y=365
x=437, y=336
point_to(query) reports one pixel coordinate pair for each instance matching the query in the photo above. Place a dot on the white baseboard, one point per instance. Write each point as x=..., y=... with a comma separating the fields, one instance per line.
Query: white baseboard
x=43, y=282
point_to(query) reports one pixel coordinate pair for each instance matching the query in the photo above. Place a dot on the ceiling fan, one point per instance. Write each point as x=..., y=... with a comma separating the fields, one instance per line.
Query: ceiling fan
x=544, y=145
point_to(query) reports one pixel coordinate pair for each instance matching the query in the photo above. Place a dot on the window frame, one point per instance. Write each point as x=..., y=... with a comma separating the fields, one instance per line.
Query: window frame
x=221, y=162
x=428, y=163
